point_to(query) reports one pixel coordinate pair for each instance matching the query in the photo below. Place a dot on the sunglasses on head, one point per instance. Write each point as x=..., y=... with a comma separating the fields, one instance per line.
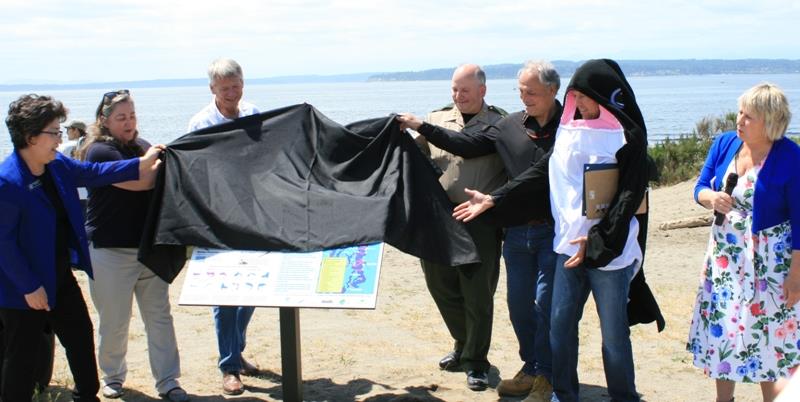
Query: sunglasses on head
x=109, y=96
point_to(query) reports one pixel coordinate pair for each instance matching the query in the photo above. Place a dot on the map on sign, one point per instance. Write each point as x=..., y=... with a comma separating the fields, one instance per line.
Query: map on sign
x=345, y=277
x=346, y=271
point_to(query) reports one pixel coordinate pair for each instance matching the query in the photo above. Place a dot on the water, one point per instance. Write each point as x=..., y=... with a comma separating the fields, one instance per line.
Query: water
x=671, y=104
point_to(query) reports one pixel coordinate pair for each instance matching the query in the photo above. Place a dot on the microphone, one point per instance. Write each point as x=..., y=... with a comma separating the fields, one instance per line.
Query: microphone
x=730, y=184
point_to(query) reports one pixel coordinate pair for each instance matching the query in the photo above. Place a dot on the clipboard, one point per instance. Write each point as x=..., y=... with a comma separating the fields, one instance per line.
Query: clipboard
x=599, y=187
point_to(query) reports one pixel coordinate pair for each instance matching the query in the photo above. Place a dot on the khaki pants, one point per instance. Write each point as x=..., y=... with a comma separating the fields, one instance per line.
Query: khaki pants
x=118, y=276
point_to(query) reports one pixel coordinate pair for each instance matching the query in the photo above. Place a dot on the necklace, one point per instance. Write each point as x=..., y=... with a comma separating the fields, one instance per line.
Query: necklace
x=751, y=157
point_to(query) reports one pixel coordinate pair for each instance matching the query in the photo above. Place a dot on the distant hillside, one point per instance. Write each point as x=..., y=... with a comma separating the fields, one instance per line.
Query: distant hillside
x=630, y=67
x=494, y=71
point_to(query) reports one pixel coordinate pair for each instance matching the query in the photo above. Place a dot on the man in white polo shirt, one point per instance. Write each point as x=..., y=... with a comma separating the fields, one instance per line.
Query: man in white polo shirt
x=226, y=82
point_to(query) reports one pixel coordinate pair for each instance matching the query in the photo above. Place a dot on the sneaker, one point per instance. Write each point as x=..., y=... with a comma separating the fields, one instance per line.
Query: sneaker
x=542, y=390
x=477, y=380
x=520, y=385
x=113, y=390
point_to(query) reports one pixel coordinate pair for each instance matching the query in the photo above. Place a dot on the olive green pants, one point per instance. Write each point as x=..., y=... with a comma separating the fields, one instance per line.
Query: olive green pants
x=465, y=296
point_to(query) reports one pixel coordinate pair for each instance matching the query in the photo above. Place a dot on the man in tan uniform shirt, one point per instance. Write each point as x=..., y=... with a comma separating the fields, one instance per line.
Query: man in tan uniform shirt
x=464, y=294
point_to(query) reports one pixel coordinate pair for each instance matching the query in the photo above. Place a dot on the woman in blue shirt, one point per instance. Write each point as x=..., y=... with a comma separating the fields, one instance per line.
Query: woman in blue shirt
x=41, y=238
x=745, y=322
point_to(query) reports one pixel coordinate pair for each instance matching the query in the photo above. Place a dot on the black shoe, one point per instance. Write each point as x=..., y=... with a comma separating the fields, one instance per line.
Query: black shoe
x=477, y=380
x=451, y=362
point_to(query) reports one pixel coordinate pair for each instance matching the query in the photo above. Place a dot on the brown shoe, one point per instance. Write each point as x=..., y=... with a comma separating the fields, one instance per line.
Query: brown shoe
x=249, y=369
x=542, y=390
x=231, y=384
x=520, y=385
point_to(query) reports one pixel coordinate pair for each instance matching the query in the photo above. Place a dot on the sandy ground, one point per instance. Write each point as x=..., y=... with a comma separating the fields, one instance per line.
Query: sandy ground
x=391, y=353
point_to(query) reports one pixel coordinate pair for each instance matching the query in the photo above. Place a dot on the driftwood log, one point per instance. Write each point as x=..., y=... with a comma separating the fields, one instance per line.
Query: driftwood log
x=694, y=222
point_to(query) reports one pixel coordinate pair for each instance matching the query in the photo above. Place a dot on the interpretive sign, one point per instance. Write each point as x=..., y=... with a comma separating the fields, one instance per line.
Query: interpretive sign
x=345, y=277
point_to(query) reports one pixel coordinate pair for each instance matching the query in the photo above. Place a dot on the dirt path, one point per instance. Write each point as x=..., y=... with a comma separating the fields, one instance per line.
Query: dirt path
x=391, y=353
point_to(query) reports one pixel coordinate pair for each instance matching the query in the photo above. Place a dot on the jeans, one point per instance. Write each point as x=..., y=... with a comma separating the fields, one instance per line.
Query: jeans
x=610, y=292
x=530, y=264
x=231, y=325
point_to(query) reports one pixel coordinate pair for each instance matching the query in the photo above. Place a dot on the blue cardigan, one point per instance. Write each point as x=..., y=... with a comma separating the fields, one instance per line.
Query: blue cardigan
x=27, y=222
x=776, y=198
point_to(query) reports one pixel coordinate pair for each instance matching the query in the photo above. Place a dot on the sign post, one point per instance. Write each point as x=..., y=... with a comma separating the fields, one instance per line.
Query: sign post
x=291, y=366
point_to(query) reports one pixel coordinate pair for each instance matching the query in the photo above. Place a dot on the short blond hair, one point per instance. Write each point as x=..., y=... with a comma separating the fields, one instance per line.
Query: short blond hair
x=770, y=103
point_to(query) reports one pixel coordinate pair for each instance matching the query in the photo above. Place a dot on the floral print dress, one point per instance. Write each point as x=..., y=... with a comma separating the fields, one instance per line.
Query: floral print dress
x=741, y=328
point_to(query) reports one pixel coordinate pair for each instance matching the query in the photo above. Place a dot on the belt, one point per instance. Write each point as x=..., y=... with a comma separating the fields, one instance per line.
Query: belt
x=534, y=222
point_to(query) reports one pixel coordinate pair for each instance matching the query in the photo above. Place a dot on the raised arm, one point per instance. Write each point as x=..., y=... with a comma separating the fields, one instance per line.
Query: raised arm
x=531, y=182
x=515, y=202
x=466, y=144
x=148, y=166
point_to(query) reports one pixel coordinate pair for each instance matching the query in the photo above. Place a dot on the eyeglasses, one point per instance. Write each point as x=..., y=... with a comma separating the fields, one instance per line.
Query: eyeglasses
x=56, y=134
x=109, y=96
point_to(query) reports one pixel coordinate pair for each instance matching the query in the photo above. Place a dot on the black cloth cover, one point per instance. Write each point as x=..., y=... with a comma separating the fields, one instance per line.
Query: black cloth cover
x=293, y=180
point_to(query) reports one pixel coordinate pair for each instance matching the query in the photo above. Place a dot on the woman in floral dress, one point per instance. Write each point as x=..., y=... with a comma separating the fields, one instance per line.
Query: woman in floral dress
x=745, y=322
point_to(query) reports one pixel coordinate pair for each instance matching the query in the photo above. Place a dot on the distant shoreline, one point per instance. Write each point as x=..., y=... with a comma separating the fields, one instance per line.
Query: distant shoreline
x=494, y=71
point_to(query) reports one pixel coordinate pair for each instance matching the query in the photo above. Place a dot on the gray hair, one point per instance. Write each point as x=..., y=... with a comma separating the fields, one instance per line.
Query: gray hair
x=768, y=102
x=480, y=75
x=224, y=68
x=545, y=70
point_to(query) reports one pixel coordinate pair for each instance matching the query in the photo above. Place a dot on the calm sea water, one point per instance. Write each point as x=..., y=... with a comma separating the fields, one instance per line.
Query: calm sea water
x=671, y=105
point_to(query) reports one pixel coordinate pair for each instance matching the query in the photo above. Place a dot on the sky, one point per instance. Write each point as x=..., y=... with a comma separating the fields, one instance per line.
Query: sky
x=48, y=41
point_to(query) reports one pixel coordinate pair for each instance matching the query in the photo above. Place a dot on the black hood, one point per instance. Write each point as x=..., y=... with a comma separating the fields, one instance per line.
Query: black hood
x=603, y=81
